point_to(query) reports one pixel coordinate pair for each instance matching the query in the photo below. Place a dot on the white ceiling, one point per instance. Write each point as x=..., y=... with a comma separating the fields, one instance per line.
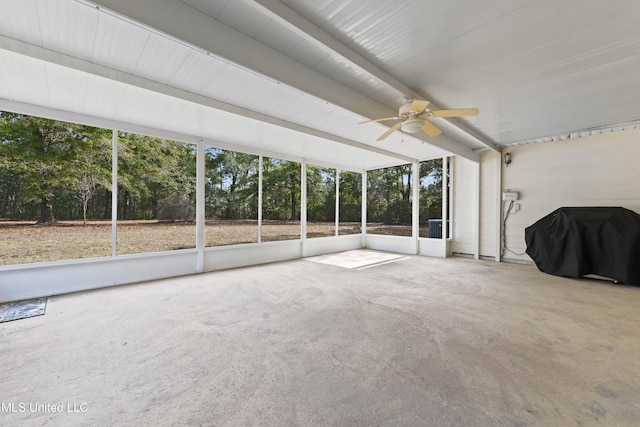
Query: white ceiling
x=296, y=76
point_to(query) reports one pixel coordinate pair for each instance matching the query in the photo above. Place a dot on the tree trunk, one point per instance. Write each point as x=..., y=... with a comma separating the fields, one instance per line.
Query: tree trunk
x=231, y=198
x=154, y=206
x=84, y=212
x=46, y=211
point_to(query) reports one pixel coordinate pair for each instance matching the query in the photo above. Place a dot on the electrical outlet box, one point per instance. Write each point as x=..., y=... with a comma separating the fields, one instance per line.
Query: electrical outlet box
x=510, y=196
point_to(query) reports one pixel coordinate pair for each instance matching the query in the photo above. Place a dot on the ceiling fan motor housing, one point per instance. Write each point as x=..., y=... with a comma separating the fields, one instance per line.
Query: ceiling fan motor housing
x=405, y=111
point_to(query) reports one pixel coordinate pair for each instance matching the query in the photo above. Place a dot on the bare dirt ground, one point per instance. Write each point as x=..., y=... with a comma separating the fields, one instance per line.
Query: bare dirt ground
x=24, y=242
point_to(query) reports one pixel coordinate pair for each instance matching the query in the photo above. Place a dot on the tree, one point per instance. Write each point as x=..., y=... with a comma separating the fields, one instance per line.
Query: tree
x=389, y=195
x=11, y=201
x=350, y=196
x=92, y=166
x=85, y=188
x=45, y=154
x=281, y=188
x=430, y=190
x=149, y=170
x=231, y=184
x=321, y=193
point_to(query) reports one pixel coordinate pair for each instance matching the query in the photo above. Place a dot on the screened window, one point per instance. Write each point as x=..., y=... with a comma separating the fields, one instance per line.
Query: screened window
x=321, y=201
x=231, y=197
x=389, y=201
x=156, y=194
x=280, y=199
x=55, y=182
x=350, y=198
x=431, y=199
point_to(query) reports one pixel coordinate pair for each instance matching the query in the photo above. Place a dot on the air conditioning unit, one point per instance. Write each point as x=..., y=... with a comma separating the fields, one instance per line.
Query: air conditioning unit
x=435, y=228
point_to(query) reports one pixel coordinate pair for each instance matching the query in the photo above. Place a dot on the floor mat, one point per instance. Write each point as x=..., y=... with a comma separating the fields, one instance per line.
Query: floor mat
x=358, y=259
x=22, y=309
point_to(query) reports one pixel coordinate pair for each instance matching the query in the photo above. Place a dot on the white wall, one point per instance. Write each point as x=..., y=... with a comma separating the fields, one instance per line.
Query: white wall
x=19, y=282
x=399, y=244
x=325, y=245
x=433, y=247
x=489, y=203
x=602, y=170
x=463, y=213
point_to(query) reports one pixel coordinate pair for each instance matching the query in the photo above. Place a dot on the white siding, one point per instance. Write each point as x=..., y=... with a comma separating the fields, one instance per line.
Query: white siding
x=399, y=244
x=489, y=193
x=602, y=170
x=463, y=214
x=19, y=282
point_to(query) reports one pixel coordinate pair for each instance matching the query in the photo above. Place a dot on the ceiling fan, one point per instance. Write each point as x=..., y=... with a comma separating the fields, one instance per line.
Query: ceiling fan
x=414, y=115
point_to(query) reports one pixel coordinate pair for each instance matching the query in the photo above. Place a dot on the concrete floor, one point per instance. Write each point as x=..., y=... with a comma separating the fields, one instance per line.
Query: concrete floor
x=409, y=341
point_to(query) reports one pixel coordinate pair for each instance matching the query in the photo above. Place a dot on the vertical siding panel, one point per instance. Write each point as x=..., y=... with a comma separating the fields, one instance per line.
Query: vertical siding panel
x=463, y=209
x=488, y=209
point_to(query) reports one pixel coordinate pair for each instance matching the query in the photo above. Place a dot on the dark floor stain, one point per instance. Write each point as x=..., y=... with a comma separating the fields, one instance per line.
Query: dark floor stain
x=596, y=409
x=605, y=391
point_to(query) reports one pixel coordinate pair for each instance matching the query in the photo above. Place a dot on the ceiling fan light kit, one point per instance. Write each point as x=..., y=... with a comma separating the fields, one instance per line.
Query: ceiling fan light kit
x=414, y=116
x=412, y=125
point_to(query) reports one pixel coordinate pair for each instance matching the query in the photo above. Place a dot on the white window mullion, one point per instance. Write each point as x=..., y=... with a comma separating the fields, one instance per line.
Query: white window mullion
x=337, y=202
x=260, y=166
x=114, y=193
x=200, y=204
x=363, y=208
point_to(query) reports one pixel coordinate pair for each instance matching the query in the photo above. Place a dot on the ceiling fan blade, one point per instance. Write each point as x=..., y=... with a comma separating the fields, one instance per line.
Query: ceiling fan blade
x=391, y=130
x=380, y=120
x=457, y=112
x=431, y=129
x=419, y=105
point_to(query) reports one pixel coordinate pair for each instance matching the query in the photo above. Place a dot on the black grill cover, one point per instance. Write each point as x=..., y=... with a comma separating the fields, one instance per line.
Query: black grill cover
x=573, y=242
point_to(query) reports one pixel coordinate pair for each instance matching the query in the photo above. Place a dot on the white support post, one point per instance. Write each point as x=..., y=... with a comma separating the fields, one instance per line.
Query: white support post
x=415, y=207
x=363, y=206
x=337, y=202
x=200, y=205
x=445, y=204
x=452, y=188
x=498, y=232
x=114, y=193
x=303, y=204
x=260, y=166
x=476, y=213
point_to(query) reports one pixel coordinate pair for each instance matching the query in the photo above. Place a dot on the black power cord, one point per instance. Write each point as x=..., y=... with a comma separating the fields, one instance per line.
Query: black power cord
x=505, y=248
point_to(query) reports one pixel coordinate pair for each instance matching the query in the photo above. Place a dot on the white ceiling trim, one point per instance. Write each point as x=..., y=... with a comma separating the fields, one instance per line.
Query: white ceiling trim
x=188, y=25
x=87, y=120
x=320, y=38
x=599, y=130
x=58, y=58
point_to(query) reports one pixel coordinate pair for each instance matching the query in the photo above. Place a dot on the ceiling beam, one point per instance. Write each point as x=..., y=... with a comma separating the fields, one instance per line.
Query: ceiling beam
x=182, y=22
x=320, y=38
x=58, y=58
